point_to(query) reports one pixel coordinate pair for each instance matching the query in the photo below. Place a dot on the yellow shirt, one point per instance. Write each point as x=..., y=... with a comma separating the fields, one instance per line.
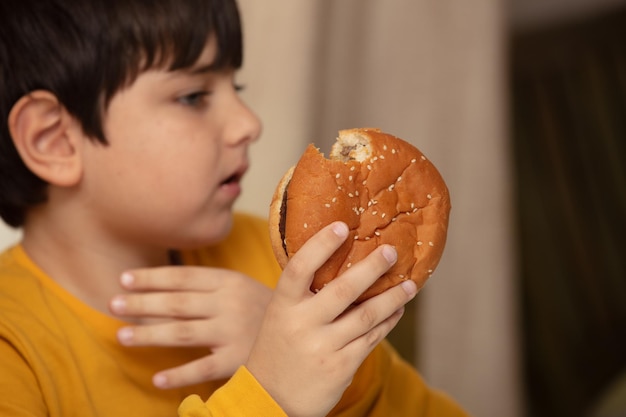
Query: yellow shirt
x=60, y=358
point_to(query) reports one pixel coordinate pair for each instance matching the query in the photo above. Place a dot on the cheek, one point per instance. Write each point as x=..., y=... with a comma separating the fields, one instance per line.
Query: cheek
x=161, y=157
x=154, y=170
x=162, y=183
x=123, y=174
x=165, y=201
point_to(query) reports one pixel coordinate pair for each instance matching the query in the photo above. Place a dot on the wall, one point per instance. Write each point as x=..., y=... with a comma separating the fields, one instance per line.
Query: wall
x=8, y=236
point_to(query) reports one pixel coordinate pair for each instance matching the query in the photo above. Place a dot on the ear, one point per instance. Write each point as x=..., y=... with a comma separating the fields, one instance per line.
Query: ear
x=47, y=138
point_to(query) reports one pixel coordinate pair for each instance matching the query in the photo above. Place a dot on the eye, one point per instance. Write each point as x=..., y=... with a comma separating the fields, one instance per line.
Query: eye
x=194, y=99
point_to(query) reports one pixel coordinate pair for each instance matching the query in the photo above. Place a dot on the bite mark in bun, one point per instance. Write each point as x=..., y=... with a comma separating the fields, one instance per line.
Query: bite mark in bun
x=383, y=188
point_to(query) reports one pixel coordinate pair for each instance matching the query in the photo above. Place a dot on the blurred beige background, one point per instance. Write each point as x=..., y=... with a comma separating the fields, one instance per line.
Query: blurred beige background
x=434, y=73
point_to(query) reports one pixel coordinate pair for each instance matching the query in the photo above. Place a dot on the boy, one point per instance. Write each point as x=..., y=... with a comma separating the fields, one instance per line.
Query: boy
x=122, y=144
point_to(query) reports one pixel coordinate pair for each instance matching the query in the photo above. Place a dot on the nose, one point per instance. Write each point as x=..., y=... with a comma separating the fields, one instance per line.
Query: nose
x=244, y=125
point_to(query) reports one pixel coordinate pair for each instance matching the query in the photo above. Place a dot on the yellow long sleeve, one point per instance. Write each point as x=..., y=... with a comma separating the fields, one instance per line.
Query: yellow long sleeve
x=240, y=396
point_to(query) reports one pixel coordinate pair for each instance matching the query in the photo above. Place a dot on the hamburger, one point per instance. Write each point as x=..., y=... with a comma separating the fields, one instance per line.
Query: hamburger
x=383, y=188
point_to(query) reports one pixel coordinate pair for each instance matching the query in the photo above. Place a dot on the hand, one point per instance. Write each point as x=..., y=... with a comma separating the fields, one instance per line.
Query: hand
x=211, y=307
x=310, y=345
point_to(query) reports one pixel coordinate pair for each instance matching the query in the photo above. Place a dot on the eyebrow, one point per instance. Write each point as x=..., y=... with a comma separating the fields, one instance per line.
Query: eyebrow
x=199, y=68
x=203, y=69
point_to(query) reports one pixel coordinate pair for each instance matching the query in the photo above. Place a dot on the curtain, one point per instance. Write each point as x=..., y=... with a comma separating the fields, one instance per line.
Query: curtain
x=569, y=118
x=434, y=73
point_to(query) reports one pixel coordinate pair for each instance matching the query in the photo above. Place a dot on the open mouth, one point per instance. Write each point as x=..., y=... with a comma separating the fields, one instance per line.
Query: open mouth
x=233, y=179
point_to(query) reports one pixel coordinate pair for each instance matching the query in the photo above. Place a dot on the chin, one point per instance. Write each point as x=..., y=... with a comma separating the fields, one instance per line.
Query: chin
x=208, y=234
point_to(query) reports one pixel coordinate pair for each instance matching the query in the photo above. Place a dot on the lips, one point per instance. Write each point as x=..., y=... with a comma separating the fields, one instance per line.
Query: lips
x=230, y=187
x=236, y=176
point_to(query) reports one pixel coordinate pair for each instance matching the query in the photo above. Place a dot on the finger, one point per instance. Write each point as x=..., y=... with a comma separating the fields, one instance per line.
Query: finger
x=360, y=320
x=186, y=305
x=363, y=345
x=178, y=278
x=346, y=288
x=176, y=333
x=298, y=274
x=208, y=368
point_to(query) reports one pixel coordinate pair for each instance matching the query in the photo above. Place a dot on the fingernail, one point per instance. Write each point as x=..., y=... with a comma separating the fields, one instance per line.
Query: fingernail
x=127, y=279
x=125, y=335
x=390, y=254
x=118, y=304
x=340, y=229
x=409, y=287
x=160, y=381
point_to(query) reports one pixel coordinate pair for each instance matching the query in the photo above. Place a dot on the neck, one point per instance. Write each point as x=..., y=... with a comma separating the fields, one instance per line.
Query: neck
x=97, y=261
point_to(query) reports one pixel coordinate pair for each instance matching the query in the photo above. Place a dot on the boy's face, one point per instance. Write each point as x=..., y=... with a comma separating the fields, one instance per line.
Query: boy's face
x=178, y=145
